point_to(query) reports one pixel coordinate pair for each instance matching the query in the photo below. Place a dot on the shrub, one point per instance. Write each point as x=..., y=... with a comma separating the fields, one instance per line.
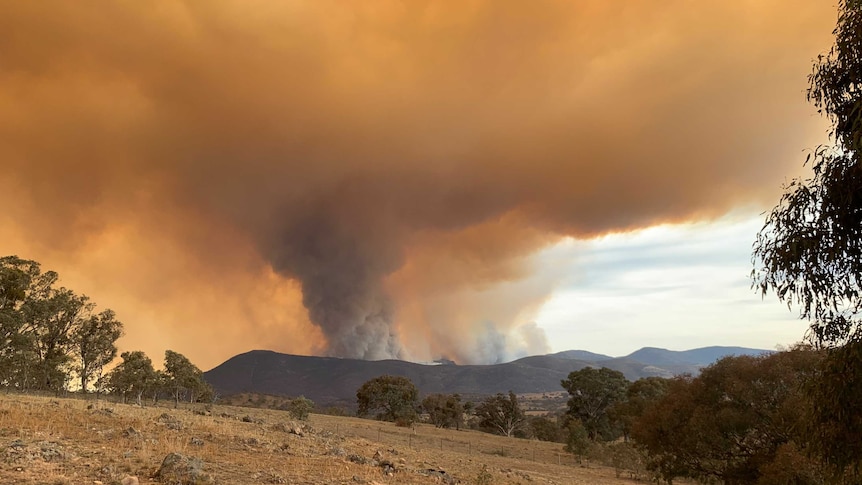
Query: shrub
x=300, y=407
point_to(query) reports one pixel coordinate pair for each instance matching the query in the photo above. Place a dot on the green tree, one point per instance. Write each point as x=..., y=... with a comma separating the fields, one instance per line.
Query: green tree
x=501, y=414
x=47, y=332
x=300, y=408
x=640, y=396
x=16, y=281
x=391, y=398
x=809, y=251
x=547, y=428
x=51, y=320
x=95, y=345
x=578, y=440
x=593, y=392
x=732, y=423
x=183, y=377
x=133, y=376
x=444, y=410
x=160, y=385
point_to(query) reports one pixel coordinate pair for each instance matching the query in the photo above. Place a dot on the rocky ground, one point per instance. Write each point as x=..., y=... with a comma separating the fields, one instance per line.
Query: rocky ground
x=72, y=441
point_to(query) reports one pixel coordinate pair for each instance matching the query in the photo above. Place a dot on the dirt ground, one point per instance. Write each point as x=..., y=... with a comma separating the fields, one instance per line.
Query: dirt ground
x=73, y=441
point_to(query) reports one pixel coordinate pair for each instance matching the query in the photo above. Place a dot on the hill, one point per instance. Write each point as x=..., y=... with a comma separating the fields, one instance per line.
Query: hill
x=334, y=381
x=50, y=440
x=699, y=357
x=582, y=355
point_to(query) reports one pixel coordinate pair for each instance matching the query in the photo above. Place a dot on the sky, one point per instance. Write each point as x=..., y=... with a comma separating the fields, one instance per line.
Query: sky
x=473, y=180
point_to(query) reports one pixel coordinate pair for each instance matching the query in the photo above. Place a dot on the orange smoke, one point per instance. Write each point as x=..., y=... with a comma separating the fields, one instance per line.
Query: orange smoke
x=370, y=179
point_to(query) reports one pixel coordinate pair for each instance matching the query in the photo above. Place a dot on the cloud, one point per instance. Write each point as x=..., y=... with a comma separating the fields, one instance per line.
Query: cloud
x=329, y=172
x=672, y=286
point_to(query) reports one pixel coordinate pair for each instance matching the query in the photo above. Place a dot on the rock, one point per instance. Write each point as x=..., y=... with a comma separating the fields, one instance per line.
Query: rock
x=387, y=466
x=358, y=459
x=50, y=451
x=196, y=441
x=131, y=480
x=170, y=421
x=131, y=432
x=179, y=469
x=297, y=429
x=440, y=475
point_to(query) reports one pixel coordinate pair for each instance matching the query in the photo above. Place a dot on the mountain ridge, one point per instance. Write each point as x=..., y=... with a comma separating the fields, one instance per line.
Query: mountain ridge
x=333, y=380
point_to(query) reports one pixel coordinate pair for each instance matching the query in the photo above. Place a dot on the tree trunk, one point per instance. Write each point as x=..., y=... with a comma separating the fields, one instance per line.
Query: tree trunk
x=84, y=380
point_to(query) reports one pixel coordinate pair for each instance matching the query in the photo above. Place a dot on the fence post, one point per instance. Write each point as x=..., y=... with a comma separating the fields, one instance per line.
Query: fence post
x=378, y=434
x=558, y=459
x=441, y=444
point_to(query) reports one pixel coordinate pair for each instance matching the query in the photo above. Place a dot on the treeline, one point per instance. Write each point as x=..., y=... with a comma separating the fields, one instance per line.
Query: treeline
x=135, y=377
x=48, y=333
x=50, y=336
x=743, y=420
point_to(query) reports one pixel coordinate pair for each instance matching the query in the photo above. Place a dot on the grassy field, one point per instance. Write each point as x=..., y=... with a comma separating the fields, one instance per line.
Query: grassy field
x=72, y=441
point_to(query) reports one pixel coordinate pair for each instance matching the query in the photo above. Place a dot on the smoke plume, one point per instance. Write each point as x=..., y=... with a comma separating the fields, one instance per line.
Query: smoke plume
x=372, y=179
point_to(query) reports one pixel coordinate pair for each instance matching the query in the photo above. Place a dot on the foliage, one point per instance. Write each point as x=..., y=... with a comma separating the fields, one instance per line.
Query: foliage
x=578, y=440
x=94, y=344
x=501, y=414
x=43, y=330
x=16, y=278
x=444, y=410
x=593, y=392
x=809, y=251
x=50, y=321
x=836, y=418
x=300, y=408
x=391, y=398
x=182, y=377
x=791, y=466
x=624, y=457
x=547, y=428
x=640, y=396
x=484, y=477
x=133, y=376
x=729, y=423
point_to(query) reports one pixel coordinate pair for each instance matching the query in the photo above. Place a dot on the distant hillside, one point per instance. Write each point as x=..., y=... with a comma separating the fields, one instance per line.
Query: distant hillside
x=328, y=380
x=699, y=357
x=331, y=380
x=582, y=355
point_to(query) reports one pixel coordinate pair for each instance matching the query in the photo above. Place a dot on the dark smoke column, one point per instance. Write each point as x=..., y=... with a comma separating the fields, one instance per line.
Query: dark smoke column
x=341, y=276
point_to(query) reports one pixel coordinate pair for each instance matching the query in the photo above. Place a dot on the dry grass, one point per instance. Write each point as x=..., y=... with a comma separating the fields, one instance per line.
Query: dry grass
x=60, y=441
